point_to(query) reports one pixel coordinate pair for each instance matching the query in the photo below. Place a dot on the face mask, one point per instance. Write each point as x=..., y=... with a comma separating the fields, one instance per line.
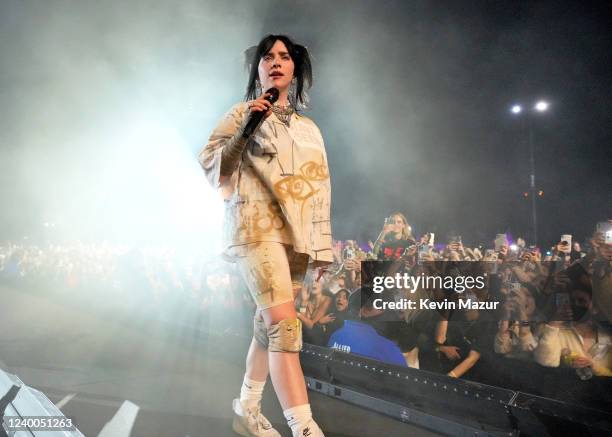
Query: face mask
x=578, y=313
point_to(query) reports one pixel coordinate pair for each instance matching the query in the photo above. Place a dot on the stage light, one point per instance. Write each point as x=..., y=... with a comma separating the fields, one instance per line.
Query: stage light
x=541, y=106
x=516, y=109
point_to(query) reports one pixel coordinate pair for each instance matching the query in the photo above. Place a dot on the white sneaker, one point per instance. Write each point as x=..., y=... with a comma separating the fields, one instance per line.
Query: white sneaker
x=250, y=422
x=310, y=430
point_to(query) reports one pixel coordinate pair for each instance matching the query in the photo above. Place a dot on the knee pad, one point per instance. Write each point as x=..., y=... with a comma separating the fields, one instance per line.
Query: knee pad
x=260, y=332
x=285, y=336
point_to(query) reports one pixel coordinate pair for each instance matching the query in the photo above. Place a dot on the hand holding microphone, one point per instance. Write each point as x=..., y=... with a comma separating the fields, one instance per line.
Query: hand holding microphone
x=261, y=104
x=258, y=109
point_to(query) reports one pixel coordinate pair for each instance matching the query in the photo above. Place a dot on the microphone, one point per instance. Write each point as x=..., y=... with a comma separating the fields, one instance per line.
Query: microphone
x=256, y=117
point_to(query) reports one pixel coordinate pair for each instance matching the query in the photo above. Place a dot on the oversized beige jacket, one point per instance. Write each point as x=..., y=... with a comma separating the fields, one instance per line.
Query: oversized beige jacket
x=281, y=189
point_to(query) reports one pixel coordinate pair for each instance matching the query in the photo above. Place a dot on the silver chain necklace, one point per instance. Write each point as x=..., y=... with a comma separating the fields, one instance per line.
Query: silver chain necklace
x=283, y=113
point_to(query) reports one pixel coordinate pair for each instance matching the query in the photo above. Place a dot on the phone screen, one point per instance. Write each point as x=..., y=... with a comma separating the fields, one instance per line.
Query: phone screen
x=500, y=241
x=567, y=238
x=605, y=228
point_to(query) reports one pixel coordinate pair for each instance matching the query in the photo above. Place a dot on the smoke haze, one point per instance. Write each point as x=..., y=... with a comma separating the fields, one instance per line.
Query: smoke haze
x=105, y=106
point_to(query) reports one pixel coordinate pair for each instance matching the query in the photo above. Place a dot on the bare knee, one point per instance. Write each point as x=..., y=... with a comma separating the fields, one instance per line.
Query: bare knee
x=275, y=314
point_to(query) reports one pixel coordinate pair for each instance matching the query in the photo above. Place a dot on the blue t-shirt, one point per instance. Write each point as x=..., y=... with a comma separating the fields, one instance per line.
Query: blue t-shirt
x=361, y=339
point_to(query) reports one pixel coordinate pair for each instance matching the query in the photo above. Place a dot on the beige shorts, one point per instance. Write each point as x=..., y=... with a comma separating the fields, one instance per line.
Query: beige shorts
x=271, y=271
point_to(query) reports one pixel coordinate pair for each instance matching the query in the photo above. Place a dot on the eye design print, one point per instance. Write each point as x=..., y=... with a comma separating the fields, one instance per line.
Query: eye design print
x=296, y=187
x=314, y=172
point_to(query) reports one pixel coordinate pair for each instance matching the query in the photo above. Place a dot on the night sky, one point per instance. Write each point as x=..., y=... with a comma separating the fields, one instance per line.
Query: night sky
x=412, y=98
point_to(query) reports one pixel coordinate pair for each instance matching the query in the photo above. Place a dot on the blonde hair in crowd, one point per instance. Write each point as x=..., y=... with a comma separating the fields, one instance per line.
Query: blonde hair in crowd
x=406, y=231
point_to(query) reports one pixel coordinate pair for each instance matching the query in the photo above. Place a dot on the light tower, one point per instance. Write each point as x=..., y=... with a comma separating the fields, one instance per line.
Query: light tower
x=526, y=115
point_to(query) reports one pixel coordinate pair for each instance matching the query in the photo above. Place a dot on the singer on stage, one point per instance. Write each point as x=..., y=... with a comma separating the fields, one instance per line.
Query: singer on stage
x=270, y=165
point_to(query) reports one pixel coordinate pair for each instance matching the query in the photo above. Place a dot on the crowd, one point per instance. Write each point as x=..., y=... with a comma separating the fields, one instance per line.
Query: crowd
x=552, y=323
x=555, y=311
x=185, y=286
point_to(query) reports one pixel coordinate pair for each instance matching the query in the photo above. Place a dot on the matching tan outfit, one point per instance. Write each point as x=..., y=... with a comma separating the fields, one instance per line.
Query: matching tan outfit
x=277, y=202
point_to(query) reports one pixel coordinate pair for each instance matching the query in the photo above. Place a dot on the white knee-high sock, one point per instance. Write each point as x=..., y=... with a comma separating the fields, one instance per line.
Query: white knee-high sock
x=251, y=392
x=298, y=417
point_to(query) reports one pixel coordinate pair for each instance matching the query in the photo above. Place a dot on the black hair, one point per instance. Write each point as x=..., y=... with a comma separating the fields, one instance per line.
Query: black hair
x=299, y=55
x=343, y=290
x=584, y=288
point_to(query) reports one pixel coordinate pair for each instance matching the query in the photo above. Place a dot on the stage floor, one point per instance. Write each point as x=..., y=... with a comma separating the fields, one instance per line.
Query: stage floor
x=181, y=380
